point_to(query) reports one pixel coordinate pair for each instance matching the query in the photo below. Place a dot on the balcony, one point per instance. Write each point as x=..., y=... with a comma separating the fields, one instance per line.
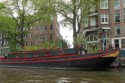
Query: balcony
x=91, y=27
x=93, y=13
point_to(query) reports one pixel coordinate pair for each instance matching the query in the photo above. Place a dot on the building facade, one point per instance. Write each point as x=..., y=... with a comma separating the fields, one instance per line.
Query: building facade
x=118, y=23
x=40, y=33
x=106, y=24
x=4, y=48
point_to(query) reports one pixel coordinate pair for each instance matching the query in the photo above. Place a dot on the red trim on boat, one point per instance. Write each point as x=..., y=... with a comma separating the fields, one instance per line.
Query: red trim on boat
x=58, y=59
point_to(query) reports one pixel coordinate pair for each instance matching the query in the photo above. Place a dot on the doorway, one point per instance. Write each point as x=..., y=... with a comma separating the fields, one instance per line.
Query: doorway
x=116, y=43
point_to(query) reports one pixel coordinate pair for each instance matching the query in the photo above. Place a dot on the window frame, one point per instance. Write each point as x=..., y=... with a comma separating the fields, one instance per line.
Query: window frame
x=105, y=4
x=124, y=3
x=104, y=17
x=117, y=33
x=118, y=13
x=117, y=5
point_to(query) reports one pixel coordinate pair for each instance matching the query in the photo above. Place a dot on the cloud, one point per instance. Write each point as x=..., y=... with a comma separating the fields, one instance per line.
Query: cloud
x=65, y=31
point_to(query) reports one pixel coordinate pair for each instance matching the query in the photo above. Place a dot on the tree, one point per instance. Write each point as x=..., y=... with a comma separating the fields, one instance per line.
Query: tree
x=74, y=12
x=18, y=15
x=1, y=6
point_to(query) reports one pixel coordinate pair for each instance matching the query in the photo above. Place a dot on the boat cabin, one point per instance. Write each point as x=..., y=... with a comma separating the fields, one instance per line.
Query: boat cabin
x=40, y=53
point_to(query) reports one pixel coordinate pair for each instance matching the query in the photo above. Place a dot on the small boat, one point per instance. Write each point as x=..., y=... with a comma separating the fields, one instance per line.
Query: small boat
x=60, y=59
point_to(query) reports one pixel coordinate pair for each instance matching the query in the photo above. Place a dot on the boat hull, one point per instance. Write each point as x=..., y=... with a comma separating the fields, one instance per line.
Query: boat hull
x=72, y=62
x=90, y=64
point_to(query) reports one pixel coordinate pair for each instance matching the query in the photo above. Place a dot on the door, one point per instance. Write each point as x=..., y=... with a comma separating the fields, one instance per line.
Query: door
x=116, y=43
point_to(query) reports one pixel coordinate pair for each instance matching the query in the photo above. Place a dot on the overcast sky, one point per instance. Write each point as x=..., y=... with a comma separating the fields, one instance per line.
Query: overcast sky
x=65, y=31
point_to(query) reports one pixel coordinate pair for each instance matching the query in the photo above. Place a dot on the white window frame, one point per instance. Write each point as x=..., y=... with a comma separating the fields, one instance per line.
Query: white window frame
x=116, y=28
x=117, y=5
x=104, y=17
x=104, y=4
x=94, y=38
x=93, y=21
x=124, y=3
x=124, y=15
x=118, y=13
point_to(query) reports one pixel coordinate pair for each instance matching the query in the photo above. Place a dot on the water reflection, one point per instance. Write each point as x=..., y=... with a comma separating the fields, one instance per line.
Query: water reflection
x=12, y=75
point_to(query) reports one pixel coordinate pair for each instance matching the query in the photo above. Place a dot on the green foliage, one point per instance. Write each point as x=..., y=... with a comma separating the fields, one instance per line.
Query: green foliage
x=43, y=45
x=12, y=45
x=74, y=9
x=18, y=15
x=93, y=50
x=74, y=12
x=7, y=24
x=2, y=6
x=79, y=40
x=45, y=8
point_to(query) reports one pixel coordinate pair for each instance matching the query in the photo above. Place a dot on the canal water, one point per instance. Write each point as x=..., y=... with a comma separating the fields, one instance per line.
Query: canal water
x=16, y=75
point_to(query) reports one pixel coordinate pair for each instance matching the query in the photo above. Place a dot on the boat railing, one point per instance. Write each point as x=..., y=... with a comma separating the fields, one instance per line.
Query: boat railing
x=39, y=53
x=50, y=52
x=102, y=52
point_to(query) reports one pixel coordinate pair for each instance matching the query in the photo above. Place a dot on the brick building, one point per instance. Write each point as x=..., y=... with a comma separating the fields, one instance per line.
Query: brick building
x=4, y=48
x=40, y=33
x=106, y=24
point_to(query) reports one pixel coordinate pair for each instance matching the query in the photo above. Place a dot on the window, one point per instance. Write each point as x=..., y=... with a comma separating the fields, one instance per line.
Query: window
x=93, y=21
x=124, y=14
x=45, y=27
x=31, y=43
x=51, y=27
x=30, y=35
x=117, y=30
x=92, y=9
x=26, y=44
x=37, y=29
x=104, y=19
x=86, y=21
x=116, y=43
x=45, y=37
x=123, y=43
x=51, y=36
x=91, y=38
x=117, y=4
x=117, y=17
x=6, y=42
x=104, y=4
x=40, y=28
x=92, y=43
x=124, y=3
